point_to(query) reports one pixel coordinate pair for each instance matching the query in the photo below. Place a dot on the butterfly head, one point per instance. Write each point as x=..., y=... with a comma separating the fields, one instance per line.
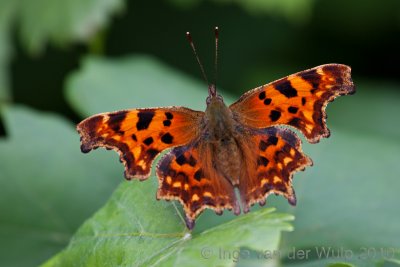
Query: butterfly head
x=213, y=96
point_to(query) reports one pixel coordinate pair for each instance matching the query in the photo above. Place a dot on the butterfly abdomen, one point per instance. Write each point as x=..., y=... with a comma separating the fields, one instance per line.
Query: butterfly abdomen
x=228, y=159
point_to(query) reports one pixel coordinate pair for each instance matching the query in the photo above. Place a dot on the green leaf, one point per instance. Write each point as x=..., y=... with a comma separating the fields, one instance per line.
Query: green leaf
x=355, y=262
x=134, y=229
x=133, y=82
x=62, y=21
x=48, y=187
x=347, y=199
x=340, y=265
x=353, y=114
x=391, y=263
x=59, y=21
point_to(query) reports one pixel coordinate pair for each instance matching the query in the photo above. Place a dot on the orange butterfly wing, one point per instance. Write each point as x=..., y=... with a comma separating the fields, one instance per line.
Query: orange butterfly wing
x=278, y=155
x=139, y=135
x=298, y=100
x=186, y=174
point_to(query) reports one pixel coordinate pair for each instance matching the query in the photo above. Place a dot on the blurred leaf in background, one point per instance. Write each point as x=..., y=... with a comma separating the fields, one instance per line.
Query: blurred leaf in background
x=376, y=107
x=126, y=83
x=39, y=21
x=60, y=21
x=348, y=199
x=48, y=187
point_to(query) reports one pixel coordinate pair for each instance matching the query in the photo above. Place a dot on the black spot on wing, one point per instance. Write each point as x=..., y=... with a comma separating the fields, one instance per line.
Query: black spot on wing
x=312, y=77
x=296, y=122
x=267, y=101
x=148, y=141
x=273, y=140
x=262, y=161
x=263, y=145
x=167, y=122
x=145, y=118
x=192, y=161
x=198, y=175
x=134, y=138
x=169, y=115
x=180, y=160
x=261, y=96
x=303, y=100
x=286, y=88
x=115, y=120
x=167, y=138
x=152, y=153
x=275, y=115
x=293, y=110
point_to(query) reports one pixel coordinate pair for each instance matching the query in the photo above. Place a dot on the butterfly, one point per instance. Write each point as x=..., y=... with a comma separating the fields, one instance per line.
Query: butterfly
x=241, y=146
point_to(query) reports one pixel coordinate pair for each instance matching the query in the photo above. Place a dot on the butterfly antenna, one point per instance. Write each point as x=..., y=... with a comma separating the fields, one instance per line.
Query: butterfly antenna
x=189, y=38
x=216, y=31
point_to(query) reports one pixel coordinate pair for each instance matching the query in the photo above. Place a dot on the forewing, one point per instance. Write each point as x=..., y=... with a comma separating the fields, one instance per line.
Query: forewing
x=139, y=135
x=298, y=100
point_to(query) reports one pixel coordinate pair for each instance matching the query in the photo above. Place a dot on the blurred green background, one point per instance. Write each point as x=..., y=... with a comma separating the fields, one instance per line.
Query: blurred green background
x=63, y=60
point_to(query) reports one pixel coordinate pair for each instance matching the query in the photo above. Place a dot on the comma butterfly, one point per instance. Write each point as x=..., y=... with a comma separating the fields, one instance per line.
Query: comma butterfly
x=224, y=147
